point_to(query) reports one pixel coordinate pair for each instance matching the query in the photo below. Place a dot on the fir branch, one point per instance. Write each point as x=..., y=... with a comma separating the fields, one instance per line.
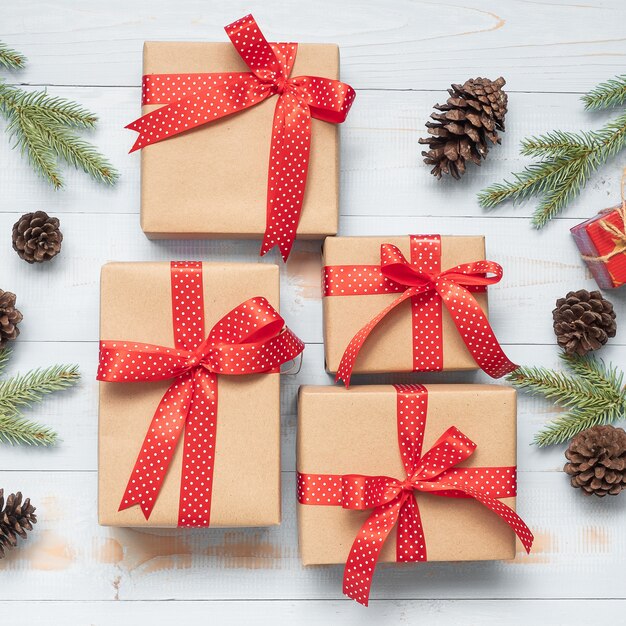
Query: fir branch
x=42, y=128
x=24, y=390
x=5, y=353
x=568, y=161
x=15, y=430
x=11, y=59
x=606, y=95
x=42, y=108
x=593, y=394
x=27, y=389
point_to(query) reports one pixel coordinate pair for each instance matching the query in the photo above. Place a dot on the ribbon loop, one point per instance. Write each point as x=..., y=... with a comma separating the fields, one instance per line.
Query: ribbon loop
x=192, y=100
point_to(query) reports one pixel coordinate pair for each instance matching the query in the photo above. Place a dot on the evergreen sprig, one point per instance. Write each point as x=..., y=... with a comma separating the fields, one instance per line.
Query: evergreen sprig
x=24, y=390
x=606, y=95
x=592, y=393
x=11, y=59
x=567, y=159
x=44, y=129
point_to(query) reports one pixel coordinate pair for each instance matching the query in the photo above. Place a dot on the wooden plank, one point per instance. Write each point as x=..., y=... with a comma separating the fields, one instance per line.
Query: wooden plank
x=580, y=543
x=408, y=45
x=537, y=271
x=310, y=612
x=382, y=173
x=73, y=413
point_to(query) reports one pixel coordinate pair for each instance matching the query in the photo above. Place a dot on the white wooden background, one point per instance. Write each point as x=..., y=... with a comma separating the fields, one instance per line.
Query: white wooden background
x=399, y=55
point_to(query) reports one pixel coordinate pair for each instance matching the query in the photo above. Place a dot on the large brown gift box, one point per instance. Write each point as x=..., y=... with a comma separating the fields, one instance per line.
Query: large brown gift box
x=389, y=347
x=354, y=432
x=136, y=306
x=212, y=181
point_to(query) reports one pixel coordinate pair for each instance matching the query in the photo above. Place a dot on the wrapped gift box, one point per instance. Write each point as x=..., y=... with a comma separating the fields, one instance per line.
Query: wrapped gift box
x=345, y=432
x=389, y=348
x=601, y=240
x=136, y=305
x=212, y=181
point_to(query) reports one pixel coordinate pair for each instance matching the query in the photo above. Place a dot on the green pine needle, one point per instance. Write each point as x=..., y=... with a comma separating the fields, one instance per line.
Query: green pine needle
x=566, y=160
x=23, y=391
x=5, y=353
x=606, y=95
x=43, y=129
x=592, y=393
x=11, y=59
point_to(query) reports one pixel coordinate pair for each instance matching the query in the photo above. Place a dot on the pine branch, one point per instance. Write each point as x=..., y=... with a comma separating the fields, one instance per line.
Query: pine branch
x=27, y=389
x=41, y=107
x=593, y=394
x=42, y=128
x=5, y=353
x=11, y=59
x=606, y=95
x=568, y=161
x=15, y=430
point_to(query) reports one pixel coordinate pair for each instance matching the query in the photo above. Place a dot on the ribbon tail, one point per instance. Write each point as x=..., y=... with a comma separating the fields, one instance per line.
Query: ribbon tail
x=196, y=483
x=344, y=372
x=506, y=513
x=410, y=542
x=288, y=166
x=240, y=92
x=359, y=570
x=475, y=330
x=158, y=447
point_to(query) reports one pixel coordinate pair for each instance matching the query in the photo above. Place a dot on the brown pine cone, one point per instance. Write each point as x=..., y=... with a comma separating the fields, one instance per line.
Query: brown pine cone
x=10, y=317
x=583, y=321
x=36, y=237
x=15, y=519
x=470, y=119
x=597, y=461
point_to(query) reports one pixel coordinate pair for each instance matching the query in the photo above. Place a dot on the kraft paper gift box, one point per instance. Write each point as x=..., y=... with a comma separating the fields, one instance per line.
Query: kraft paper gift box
x=136, y=305
x=602, y=242
x=211, y=182
x=389, y=348
x=345, y=432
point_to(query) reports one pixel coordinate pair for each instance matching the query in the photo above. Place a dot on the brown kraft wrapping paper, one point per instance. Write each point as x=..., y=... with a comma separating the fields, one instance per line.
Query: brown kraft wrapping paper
x=354, y=432
x=389, y=347
x=212, y=181
x=136, y=306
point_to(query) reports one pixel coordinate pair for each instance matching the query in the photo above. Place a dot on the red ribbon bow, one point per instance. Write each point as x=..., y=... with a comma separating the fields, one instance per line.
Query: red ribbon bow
x=394, y=501
x=250, y=339
x=427, y=287
x=196, y=99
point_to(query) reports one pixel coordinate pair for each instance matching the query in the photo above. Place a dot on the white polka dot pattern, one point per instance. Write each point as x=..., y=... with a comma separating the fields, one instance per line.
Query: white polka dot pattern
x=427, y=287
x=394, y=500
x=252, y=338
x=196, y=99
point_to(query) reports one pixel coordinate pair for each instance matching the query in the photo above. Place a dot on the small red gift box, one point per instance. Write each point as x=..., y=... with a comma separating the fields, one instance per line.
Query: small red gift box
x=602, y=243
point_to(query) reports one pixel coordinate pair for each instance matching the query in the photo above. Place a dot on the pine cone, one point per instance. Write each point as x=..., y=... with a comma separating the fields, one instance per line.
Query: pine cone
x=15, y=519
x=36, y=237
x=583, y=321
x=471, y=116
x=10, y=317
x=597, y=461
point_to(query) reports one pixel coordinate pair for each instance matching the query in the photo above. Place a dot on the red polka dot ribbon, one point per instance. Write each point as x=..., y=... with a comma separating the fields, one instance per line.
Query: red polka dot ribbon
x=427, y=287
x=393, y=500
x=195, y=99
x=250, y=339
